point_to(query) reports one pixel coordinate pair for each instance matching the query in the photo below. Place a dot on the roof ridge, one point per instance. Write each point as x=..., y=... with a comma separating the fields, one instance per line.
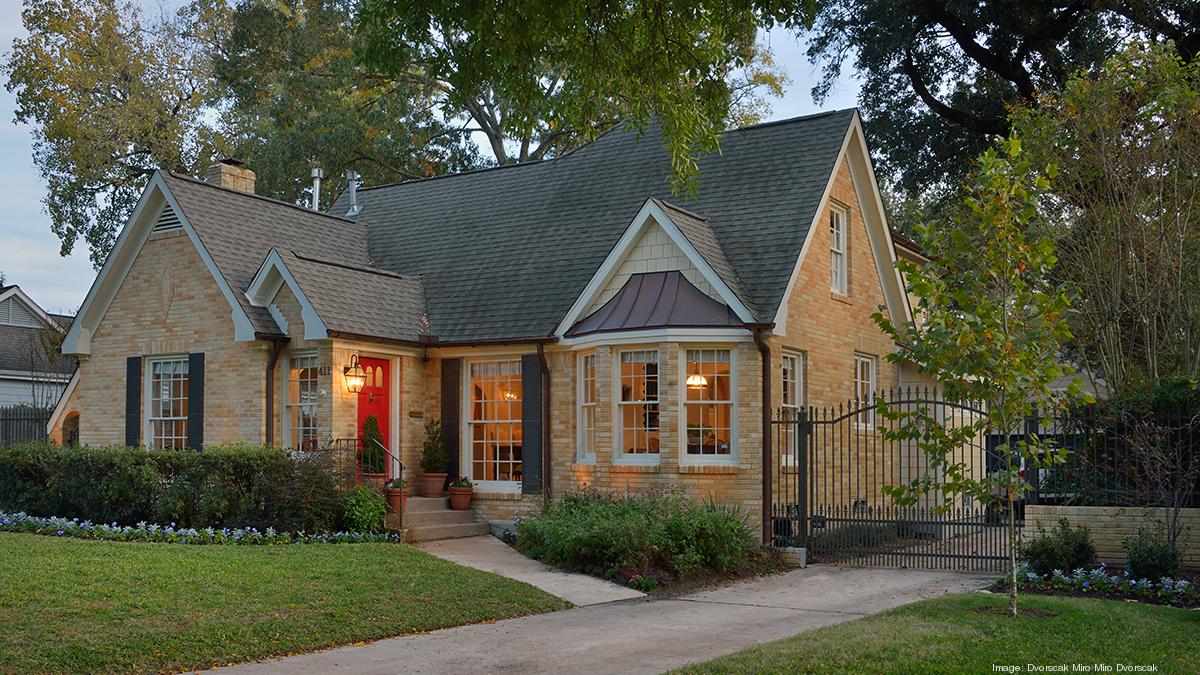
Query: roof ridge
x=197, y=181
x=470, y=172
x=357, y=268
x=676, y=207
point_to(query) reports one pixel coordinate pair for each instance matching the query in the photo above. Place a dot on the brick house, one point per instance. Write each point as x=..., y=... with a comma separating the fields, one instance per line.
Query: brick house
x=570, y=321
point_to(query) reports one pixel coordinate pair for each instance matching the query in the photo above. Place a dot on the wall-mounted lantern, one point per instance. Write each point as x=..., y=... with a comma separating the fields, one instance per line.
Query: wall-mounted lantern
x=356, y=377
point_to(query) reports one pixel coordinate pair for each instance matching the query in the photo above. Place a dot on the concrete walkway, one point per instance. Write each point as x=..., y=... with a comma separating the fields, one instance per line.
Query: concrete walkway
x=489, y=554
x=641, y=636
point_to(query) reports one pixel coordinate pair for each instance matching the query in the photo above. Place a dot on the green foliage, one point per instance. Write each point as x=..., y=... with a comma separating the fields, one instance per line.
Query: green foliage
x=1063, y=548
x=226, y=486
x=1124, y=139
x=433, y=451
x=1150, y=555
x=363, y=510
x=371, y=455
x=462, y=482
x=655, y=536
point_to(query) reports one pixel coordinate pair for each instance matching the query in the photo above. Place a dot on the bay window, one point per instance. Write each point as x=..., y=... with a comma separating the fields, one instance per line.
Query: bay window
x=587, y=408
x=708, y=403
x=638, y=403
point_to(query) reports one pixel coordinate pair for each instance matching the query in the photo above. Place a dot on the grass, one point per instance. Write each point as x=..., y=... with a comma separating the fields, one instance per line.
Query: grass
x=969, y=633
x=72, y=605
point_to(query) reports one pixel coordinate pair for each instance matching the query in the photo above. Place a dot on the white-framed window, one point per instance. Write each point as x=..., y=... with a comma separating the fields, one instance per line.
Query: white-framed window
x=167, y=402
x=303, y=391
x=637, y=405
x=708, y=398
x=839, y=219
x=865, y=367
x=587, y=407
x=494, y=422
x=794, y=367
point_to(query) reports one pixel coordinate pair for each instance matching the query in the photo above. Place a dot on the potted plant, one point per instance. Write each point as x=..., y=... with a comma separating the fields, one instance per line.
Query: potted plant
x=461, y=491
x=433, y=460
x=371, y=457
x=396, y=491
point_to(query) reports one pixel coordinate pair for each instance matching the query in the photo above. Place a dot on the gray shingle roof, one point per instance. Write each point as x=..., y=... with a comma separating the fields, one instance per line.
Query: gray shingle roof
x=503, y=253
x=239, y=229
x=355, y=300
x=21, y=350
x=697, y=230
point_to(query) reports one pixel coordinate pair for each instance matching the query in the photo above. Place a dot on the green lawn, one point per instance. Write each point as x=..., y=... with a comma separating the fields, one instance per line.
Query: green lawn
x=76, y=605
x=952, y=635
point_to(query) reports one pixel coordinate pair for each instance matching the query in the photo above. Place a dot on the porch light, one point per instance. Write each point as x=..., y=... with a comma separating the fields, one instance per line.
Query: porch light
x=697, y=381
x=356, y=377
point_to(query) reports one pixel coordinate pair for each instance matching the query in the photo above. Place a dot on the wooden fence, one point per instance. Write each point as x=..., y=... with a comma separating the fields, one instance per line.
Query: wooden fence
x=19, y=424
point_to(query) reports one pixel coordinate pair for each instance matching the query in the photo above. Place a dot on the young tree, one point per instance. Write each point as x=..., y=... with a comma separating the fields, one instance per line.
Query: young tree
x=1126, y=141
x=992, y=324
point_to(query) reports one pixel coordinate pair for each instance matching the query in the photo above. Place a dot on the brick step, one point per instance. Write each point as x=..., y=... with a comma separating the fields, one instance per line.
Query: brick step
x=422, y=518
x=418, y=504
x=454, y=531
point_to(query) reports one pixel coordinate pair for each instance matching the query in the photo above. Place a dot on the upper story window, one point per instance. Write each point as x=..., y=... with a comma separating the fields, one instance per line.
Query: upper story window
x=167, y=390
x=708, y=402
x=839, y=219
x=494, y=419
x=865, y=367
x=637, y=407
x=794, y=366
x=587, y=408
x=302, y=402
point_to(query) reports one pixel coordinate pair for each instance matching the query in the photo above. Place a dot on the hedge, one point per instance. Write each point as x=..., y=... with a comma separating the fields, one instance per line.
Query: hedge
x=223, y=486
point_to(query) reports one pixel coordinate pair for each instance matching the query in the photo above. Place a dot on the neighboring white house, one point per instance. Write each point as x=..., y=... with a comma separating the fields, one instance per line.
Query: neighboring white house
x=28, y=375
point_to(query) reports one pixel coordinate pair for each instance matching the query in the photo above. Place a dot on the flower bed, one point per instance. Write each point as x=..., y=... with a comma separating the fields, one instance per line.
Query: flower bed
x=1099, y=583
x=73, y=527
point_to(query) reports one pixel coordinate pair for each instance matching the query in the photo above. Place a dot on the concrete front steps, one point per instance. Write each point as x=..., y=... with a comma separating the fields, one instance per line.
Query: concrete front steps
x=430, y=519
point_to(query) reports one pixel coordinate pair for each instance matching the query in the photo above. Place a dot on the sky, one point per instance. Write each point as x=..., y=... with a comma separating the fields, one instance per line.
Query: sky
x=29, y=251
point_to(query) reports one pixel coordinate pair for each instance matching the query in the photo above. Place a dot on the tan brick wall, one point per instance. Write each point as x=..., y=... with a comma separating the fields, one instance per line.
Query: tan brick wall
x=170, y=304
x=1111, y=525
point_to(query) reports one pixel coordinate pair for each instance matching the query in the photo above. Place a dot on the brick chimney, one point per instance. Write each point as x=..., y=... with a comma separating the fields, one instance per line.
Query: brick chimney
x=231, y=173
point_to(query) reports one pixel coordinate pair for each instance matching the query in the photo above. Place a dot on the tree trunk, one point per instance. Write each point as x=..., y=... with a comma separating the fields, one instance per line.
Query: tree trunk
x=1012, y=555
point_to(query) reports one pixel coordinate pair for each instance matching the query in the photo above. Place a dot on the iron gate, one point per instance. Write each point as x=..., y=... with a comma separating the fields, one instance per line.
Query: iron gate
x=831, y=465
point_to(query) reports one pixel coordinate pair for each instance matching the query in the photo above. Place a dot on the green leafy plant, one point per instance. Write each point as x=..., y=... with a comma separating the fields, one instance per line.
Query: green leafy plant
x=1150, y=555
x=433, y=451
x=364, y=509
x=462, y=482
x=396, y=483
x=1063, y=548
x=372, y=455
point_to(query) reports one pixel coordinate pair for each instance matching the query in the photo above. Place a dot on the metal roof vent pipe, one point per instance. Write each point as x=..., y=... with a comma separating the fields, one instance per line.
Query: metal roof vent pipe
x=317, y=175
x=352, y=179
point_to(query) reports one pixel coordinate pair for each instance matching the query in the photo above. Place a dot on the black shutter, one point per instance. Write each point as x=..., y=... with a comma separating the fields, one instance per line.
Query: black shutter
x=195, y=420
x=133, y=400
x=451, y=385
x=531, y=424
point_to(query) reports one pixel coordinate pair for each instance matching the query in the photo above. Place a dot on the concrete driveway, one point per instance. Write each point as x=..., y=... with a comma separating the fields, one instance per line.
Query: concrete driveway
x=641, y=636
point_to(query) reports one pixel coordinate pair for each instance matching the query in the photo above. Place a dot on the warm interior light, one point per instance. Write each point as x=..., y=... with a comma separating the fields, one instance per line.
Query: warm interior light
x=356, y=377
x=697, y=381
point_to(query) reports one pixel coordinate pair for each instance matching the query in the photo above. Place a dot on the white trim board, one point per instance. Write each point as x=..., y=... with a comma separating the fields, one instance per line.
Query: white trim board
x=272, y=274
x=156, y=197
x=60, y=407
x=16, y=293
x=650, y=213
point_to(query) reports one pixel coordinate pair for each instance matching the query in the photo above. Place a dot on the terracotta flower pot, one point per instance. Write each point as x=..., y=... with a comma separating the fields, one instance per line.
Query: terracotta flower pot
x=432, y=484
x=460, y=498
x=376, y=479
x=397, y=498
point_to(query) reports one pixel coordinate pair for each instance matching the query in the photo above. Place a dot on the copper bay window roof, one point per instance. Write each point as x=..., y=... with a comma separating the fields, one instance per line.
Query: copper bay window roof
x=657, y=300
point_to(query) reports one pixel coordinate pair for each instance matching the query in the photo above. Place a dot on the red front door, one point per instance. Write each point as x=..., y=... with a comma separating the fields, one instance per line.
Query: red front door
x=373, y=401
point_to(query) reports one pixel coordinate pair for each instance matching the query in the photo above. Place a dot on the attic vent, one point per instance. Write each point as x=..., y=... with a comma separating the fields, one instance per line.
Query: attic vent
x=167, y=221
x=15, y=313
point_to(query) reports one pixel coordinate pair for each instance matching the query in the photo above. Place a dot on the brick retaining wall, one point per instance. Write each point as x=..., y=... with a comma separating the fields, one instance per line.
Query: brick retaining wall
x=1111, y=525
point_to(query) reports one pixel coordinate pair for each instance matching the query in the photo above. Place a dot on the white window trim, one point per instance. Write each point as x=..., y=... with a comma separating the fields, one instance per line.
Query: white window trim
x=583, y=454
x=686, y=459
x=148, y=396
x=860, y=357
x=465, y=440
x=842, y=284
x=801, y=399
x=618, y=445
x=285, y=412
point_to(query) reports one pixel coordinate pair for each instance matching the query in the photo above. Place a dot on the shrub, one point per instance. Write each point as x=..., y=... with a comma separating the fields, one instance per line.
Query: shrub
x=223, y=486
x=364, y=509
x=1149, y=555
x=433, y=451
x=639, y=540
x=371, y=454
x=1062, y=548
